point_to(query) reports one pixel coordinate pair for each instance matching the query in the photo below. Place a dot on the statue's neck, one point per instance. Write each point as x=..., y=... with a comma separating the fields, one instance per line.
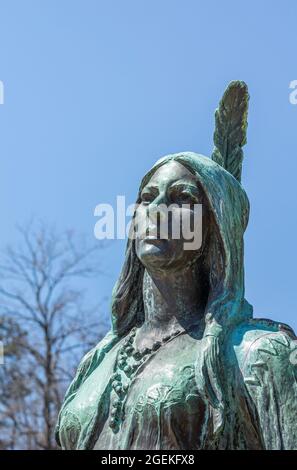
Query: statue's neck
x=172, y=299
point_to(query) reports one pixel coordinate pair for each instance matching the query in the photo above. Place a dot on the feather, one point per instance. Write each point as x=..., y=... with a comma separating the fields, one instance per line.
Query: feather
x=230, y=128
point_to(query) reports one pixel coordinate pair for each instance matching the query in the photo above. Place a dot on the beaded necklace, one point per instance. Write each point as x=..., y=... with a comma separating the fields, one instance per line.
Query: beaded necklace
x=139, y=359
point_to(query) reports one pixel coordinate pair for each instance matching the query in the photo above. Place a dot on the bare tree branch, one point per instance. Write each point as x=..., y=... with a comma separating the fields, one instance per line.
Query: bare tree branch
x=41, y=293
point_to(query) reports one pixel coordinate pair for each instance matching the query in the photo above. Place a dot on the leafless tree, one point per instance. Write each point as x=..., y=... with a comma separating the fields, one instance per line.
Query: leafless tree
x=13, y=381
x=41, y=289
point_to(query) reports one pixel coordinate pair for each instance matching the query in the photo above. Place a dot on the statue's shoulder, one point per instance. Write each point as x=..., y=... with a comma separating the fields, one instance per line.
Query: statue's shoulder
x=89, y=362
x=263, y=343
x=264, y=354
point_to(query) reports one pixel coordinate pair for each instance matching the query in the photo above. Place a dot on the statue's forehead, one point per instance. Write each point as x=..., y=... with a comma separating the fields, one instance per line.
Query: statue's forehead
x=170, y=172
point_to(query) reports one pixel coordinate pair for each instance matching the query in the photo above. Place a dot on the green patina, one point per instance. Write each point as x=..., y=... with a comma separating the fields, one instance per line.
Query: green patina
x=186, y=366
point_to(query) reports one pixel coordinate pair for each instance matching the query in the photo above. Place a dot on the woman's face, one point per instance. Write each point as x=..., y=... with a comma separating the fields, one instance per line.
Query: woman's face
x=168, y=220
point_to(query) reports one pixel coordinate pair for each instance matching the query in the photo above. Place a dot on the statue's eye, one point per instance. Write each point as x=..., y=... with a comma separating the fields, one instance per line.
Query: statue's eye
x=147, y=197
x=184, y=197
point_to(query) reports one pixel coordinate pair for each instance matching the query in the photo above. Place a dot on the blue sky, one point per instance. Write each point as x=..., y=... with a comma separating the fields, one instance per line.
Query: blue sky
x=96, y=91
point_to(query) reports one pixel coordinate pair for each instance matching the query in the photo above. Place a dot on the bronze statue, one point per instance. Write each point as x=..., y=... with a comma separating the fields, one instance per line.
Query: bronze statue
x=185, y=365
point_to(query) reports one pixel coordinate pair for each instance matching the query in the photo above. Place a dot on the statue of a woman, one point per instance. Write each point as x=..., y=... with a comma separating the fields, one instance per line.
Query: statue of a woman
x=185, y=365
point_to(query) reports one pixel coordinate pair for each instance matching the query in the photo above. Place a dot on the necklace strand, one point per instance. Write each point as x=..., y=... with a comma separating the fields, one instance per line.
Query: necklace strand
x=140, y=358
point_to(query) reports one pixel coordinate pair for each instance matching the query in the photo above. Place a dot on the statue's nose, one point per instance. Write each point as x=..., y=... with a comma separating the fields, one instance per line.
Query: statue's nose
x=156, y=211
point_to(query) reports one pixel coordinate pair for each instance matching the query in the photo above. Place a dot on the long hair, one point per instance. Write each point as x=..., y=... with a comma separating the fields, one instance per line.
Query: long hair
x=127, y=298
x=221, y=262
x=128, y=309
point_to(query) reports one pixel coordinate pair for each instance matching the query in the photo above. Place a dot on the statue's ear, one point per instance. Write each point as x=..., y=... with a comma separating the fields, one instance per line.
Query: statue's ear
x=230, y=128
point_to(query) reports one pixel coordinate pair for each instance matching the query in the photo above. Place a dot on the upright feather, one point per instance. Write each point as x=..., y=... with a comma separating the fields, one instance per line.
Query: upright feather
x=230, y=128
